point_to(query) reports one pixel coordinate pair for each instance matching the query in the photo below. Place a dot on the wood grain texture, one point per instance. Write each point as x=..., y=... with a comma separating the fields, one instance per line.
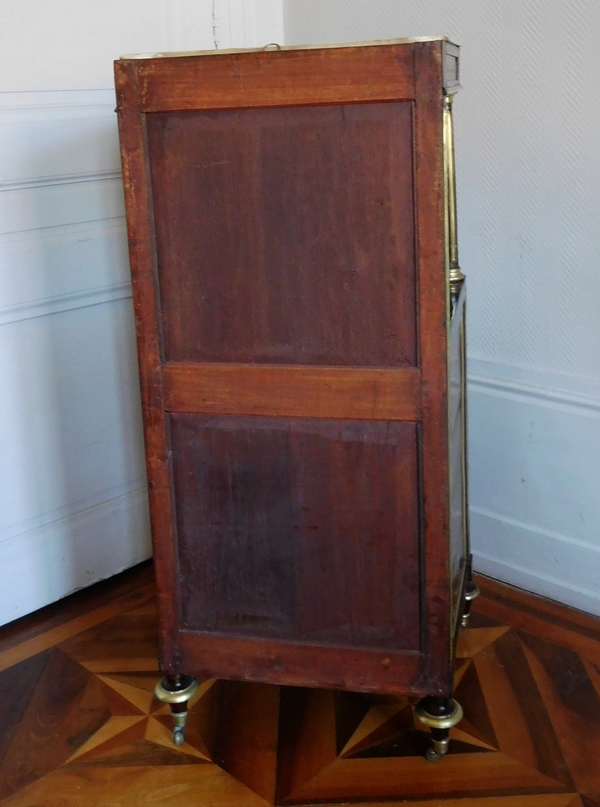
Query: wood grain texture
x=55, y=721
x=284, y=78
x=549, y=620
x=293, y=663
x=44, y=639
x=246, y=746
x=142, y=260
x=573, y=707
x=310, y=392
x=133, y=582
x=286, y=235
x=300, y=529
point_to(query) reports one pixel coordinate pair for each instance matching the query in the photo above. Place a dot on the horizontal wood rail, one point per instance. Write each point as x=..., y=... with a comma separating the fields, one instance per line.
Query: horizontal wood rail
x=290, y=663
x=293, y=391
x=280, y=78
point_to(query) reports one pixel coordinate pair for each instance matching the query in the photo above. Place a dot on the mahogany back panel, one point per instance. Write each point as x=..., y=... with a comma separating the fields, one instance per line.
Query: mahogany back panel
x=286, y=235
x=288, y=257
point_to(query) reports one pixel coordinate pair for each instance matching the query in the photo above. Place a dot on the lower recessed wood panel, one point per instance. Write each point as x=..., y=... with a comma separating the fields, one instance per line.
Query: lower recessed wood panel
x=298, y=529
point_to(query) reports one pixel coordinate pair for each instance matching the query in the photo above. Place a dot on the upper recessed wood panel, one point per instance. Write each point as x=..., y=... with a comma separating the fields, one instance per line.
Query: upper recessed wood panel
x=285, y=78
x=286, y=235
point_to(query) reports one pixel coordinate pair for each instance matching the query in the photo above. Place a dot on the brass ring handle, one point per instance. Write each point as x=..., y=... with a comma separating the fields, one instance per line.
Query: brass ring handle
x=272, y=46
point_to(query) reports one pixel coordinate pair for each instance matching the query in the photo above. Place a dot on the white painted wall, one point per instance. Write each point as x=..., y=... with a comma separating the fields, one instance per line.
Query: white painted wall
x=73, y=506
x=528, y=162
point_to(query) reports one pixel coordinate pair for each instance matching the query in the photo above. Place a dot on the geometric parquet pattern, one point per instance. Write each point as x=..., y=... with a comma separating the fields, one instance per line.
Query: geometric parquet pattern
x=79, y=724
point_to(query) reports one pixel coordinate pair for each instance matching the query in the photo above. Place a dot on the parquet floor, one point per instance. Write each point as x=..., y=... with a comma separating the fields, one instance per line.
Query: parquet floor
x=79, y=724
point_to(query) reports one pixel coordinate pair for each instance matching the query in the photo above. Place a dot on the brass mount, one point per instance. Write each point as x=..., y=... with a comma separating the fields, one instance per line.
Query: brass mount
x=455, y=276
x=440, y=721
x=177, y=696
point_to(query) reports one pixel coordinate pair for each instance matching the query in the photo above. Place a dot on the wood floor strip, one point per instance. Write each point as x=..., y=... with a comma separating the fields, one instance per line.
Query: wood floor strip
x=136, y=785
x=472, y=775
x=540, y=608
x=545, y=800
x=578, y=635
x=510, y=726
x=573, y=707
x=61, y=633
x=77, y=604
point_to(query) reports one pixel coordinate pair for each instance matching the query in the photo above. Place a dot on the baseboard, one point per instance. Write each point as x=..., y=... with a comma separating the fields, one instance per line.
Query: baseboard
x=551, y=565
x=534, y=437
x=56, y=559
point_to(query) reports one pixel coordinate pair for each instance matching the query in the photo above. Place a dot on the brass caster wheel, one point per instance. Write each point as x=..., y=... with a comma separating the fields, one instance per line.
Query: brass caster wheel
x=471, y=594
x=177, y=691
x=180, y=719
x=440, y=715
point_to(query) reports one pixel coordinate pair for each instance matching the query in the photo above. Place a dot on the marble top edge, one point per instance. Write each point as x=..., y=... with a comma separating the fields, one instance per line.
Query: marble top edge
x=274, y=47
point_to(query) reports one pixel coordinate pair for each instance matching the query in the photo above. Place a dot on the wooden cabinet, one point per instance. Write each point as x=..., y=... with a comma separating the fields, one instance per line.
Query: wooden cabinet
x=300, y=323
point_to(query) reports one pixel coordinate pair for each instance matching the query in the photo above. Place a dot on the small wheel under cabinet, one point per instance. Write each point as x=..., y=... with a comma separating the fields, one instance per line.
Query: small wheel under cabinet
x=177, y=691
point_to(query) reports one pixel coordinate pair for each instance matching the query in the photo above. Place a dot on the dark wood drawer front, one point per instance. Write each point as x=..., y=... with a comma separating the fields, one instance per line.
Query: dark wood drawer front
x=298, y=529
x=286, y=235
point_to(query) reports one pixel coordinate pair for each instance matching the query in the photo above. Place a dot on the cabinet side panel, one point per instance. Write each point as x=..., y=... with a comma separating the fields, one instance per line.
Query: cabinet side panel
x=298, y=529
x=433, y=319
x=142, y=257
x=286, y=235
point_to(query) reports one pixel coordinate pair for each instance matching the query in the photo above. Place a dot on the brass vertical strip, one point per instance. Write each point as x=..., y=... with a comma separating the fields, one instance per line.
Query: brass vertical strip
x=456, y=277
x=455, y=280
x=446, y=124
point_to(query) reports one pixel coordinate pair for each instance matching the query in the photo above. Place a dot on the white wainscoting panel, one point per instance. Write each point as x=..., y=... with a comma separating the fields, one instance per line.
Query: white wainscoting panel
x=528, y=170
x=71, y=553
x=534, y=478
x=73, y=502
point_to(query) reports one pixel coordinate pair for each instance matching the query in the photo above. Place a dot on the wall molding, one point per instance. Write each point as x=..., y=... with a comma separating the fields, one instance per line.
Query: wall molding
x=65, y=302
x=65, y=514
x=505, y=547
x=74, y=549
x=535, y=386
x=59, y=179
x=56, y=99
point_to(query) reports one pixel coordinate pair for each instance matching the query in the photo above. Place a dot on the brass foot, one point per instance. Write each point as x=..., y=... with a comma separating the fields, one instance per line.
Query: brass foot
x=177, y=691
x=440, y=715
x=471, y=594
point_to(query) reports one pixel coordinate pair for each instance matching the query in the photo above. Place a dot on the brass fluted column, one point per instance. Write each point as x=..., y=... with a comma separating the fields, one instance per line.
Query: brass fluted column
x=456, y=277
